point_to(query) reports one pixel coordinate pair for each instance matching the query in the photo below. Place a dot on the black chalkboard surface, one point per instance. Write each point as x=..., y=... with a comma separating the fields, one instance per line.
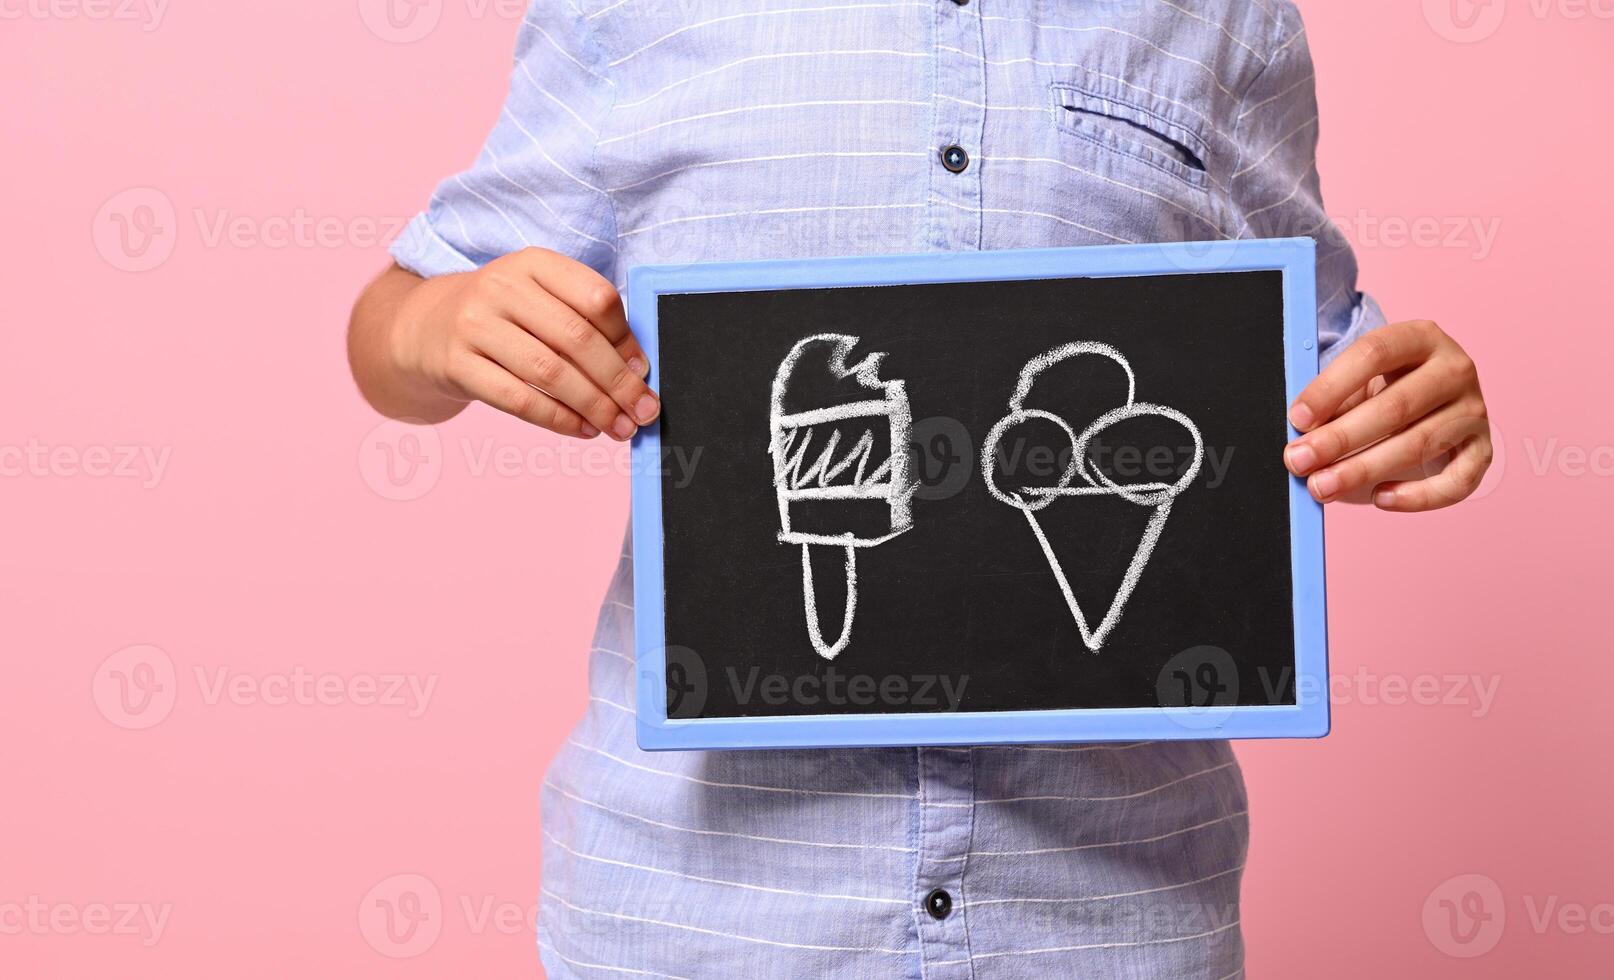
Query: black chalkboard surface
x=1004, y=495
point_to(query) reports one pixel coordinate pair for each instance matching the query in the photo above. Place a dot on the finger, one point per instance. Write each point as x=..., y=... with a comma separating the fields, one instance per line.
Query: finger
x=1398, y=405
x=592, y=295
x=1383, y=460
x=1356, y=398
x=540, y=366
x=1459, y=478
x=1377, y=352
x=563, y=329
x=489, y=382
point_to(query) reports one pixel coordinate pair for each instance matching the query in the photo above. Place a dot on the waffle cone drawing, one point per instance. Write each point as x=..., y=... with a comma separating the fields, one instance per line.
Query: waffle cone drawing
x=1157, y=497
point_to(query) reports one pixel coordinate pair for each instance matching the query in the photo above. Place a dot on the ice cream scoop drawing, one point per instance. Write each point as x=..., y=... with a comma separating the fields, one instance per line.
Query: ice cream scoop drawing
x=1093, y=481
x=839, y=443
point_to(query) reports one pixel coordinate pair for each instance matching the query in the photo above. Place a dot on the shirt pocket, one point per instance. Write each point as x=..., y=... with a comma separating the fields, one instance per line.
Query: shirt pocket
x=1153, y=134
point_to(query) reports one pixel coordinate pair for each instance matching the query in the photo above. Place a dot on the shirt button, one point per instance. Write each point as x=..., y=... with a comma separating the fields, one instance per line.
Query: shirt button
x=938, y=903
x=955, y=159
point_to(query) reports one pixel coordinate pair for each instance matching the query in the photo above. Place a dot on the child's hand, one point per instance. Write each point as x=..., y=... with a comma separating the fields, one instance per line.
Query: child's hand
x=534, y=334
x=1395, y=399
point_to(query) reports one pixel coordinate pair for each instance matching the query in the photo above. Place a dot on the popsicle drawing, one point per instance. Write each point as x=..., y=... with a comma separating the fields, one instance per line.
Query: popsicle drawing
x=1094, y=482
x=833, y=493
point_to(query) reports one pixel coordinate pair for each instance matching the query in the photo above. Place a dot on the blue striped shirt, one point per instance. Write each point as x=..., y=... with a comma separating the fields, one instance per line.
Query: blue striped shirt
x=671, y=132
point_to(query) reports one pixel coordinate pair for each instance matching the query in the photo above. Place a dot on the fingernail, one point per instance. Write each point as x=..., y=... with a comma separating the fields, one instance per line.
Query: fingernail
x=623, y=427
x=1300, y=415
x=638, y=366
x=1325, y=484
x=1384, y=498
x=1302, y=458
x=645, y=409
x=589, y=431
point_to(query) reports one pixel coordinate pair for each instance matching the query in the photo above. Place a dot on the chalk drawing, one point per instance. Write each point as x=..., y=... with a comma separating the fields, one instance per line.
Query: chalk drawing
x=1029, y=500
x=808, y=468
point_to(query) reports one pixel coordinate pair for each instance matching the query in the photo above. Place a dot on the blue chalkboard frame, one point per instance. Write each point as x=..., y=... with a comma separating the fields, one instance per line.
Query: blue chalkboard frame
x=1307, y=718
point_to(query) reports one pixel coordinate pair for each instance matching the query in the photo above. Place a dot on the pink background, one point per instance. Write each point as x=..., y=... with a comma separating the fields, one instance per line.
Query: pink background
x=268, y=829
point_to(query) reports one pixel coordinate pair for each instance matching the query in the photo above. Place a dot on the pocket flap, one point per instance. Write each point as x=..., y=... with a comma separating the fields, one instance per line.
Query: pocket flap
x=1122, y=122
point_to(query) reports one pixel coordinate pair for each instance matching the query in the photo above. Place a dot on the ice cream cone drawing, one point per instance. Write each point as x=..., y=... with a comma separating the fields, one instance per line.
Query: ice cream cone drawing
x=1082, y=478
x=839, y=443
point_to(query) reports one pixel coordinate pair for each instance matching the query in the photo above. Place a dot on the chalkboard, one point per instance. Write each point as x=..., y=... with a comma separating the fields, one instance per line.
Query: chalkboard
x=958, y=499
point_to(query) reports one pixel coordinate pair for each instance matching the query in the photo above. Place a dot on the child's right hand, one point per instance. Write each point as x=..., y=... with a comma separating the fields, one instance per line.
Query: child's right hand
x=534, y=334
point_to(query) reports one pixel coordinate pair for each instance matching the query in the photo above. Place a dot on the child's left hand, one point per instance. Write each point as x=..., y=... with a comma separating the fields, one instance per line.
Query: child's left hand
x=1394, y=400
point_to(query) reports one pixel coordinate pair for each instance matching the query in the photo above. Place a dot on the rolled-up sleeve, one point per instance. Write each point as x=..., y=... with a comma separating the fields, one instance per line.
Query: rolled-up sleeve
x=535, y=182
x=1277, y=192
